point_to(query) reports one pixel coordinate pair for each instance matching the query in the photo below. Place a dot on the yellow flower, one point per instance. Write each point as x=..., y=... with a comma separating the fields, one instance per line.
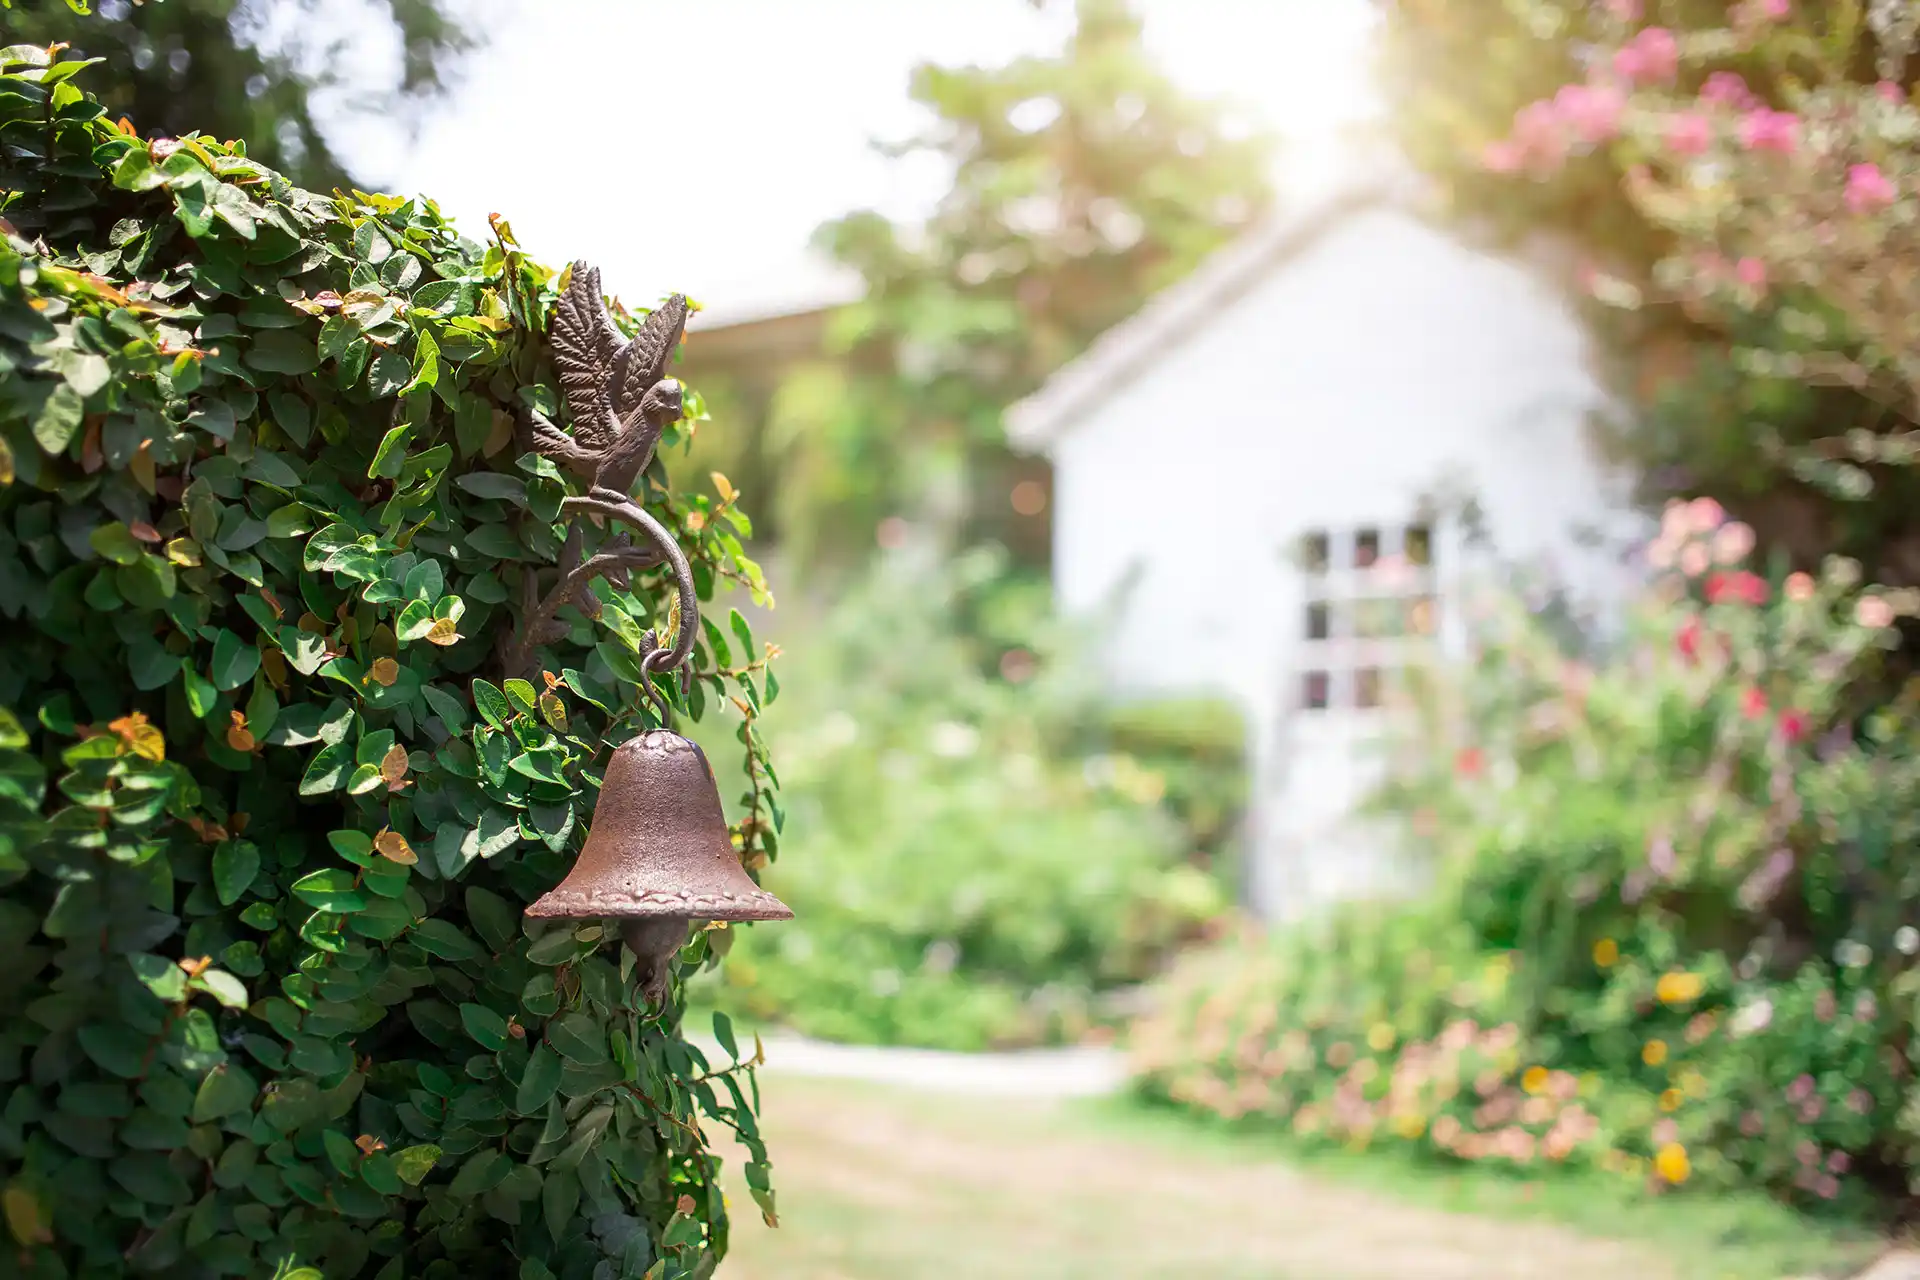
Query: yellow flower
x=1380, y=1037
x=1678, y=988
x=1655, y=1053
x=1671, y=1099
x=1606, y=952
x=1694, y=1083
x=1671, y=1163
x=1409, y=1126
x=1534, y=1080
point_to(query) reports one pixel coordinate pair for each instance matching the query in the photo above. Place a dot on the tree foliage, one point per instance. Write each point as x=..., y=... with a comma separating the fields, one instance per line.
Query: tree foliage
x=245, y=68
x=1724, y=261
x=270, y=809
x=1082, y=182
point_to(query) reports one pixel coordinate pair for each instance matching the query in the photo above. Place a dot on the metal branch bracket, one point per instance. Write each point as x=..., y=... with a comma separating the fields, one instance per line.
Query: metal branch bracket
x=618, y=400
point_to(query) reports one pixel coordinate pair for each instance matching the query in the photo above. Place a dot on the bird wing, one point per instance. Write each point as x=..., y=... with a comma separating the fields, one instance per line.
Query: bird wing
x=585, y=346
x=643, y=362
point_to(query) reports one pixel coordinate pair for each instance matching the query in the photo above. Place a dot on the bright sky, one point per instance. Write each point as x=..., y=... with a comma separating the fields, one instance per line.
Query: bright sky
x=735, y=127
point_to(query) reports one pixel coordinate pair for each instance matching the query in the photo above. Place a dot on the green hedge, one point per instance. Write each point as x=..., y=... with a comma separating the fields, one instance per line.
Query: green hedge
x=269, y=809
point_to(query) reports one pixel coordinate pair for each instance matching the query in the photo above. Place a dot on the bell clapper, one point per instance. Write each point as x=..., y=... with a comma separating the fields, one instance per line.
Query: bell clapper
x=655, y=941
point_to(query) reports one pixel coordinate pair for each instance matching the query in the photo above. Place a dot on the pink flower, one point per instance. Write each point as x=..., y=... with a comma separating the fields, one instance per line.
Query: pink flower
x=1793, y=726
x=1687, y=640
x=1751, y=272
x=1751, y=1124
x=1838, y=1162
x=1764, y=129
x=1689, y=133
x=1504, y=156
x=1799, y=586
x=1891, y=92
x=1705, y=515
x=1827, y=1186
x=1801, y=1089
x=1868, y=188
x=1624, y=10
x=1537, y=133
x=1591, y=111
x=1773, y=10
x=1651, y=57
x=1873, y=612
x=1727, y=89
x=1753, y=704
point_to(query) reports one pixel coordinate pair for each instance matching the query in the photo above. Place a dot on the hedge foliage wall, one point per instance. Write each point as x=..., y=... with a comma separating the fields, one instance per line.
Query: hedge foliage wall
x=269, y=808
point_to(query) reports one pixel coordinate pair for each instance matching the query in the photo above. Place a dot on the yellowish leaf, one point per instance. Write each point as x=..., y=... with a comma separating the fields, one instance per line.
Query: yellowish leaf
x=140, y=737
x=393, y=846
x=385, y=671
x=6, y=463
x=393, y=765
x=275, y=666
x=553, y=711
x=25, y=1218
x=238, y=735
x=184, y=551
x=444, y=633
x=741, y=703
x=724, y=487
x=141, y=467
x=696, y=520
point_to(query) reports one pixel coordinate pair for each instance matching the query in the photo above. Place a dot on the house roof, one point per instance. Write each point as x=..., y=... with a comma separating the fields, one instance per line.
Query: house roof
x=1173, y=315
x=807, y=286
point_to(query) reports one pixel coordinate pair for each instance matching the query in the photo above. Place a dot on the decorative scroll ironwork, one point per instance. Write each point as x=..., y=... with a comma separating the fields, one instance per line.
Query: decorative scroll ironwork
x=619, y=400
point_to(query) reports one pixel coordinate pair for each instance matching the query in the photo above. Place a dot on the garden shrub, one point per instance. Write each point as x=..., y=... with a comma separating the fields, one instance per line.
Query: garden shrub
x=272, y=809
x=976, y=868
x=1672, y=930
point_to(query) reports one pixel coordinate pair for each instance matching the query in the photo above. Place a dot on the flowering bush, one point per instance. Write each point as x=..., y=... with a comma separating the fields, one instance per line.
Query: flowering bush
x=1785, y=185
x=1669, y=932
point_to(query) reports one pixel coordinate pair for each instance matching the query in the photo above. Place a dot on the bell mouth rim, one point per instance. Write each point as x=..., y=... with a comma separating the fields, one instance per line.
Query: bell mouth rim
x=739, y=910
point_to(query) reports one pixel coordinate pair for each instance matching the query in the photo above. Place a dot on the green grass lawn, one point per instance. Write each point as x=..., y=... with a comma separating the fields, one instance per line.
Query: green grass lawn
x=886, y=1184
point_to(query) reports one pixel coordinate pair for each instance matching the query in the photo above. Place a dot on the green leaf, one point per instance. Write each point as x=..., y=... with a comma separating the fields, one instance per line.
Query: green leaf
x=116, y=543
x=287, y=351
x=415, y=621
x=492, y=704
x=224, y=987
x=341, y=1153
x=414, y=1163
x=520, y=693
x=392, y=452
x=234, y=660
x=493, y=918
x=559, y=1200
x=481, y=1173
x=741, y=630
x=443, y=939
x=538, y=1081
x=452, y=714
x=330, y=889
x=327, y=771
x=484, y=1025
x=59, y=418
x=578, y=1038
x=723, y=1032
x=235, y=864
x=225, y=1090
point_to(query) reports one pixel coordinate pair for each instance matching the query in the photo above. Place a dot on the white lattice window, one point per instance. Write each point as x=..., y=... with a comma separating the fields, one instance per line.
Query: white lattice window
x=1370, y=604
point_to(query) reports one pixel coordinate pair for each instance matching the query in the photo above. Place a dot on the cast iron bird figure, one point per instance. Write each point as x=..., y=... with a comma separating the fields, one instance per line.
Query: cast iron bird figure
x=618, y=395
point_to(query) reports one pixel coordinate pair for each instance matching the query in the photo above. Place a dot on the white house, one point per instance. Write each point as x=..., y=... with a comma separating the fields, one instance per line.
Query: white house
x=1260, y=473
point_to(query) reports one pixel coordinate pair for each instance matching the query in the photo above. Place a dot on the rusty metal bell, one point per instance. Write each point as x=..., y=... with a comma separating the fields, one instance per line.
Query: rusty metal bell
x=658, y=856
x=658, y=845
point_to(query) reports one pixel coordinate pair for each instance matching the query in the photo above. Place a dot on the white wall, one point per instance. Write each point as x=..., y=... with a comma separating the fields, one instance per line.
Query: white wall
x=1338, y=392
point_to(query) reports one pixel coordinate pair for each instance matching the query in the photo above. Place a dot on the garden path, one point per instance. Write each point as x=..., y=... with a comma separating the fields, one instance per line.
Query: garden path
x=914, y=1165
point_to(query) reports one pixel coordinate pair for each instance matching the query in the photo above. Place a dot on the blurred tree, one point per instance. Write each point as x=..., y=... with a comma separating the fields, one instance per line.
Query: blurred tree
x=244, y=68
x=1698, y=415
x=1082, y=183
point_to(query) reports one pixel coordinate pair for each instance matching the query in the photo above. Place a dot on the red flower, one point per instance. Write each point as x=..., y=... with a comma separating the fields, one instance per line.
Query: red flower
x=1468, y=762
x=1740, y=586
x=1753, y=704
x=1793, y=725
x=1687, y=639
